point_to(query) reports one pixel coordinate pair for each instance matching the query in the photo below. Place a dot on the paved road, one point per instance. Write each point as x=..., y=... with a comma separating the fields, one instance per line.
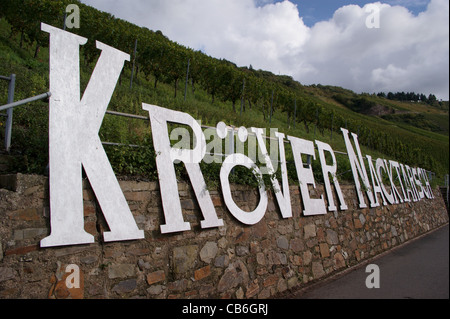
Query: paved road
x=418, y=270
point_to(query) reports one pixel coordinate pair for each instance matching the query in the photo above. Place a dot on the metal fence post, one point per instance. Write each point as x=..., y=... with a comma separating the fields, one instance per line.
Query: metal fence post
x=231, y=141
x=317, y=121
x=9, y=112
x=231, y=144
x=295, y=111
x=271, y=108
x=332, y=122
x=134, y=61
x=242, y=96
x=187, y=78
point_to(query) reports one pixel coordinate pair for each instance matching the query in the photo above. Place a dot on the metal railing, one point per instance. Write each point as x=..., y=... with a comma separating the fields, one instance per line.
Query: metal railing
x=231, y=142
x=9, y=111
x=10, y=105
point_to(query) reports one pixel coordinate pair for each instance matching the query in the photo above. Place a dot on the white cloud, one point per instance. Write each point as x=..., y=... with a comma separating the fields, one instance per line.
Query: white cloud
x=407, y=52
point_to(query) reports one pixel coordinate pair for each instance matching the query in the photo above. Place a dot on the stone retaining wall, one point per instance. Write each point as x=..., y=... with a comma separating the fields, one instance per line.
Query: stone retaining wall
x=233, y=261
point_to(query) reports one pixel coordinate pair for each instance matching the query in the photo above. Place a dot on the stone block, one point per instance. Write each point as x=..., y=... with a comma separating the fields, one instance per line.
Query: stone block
x=27, y=214
x=201, y=273
x=292, y=282
x=155, y=289
x=121, y=271
x=282, y=242
x=240, y=293
x=252, y=289
x=208, y=252
x=317, y=269
x=296, y=260
x=310, y=231
x=307, y=257
x=89, y=209
x=260, y=230
x=332, y=237
x=270, y=281
x=394, y=231
x=242, y=250
x=228, y=280
x=358, y=224
x=297, y=245
x=184, y=258
x=362, y=219
x=222, y=261
x=156, y=276
x=260, y=259
x=125, y=286
x=339, y=260
x=137, y=196
x=281, y=285
x=187, y=204
x=7, y=273
x=324, y=250
x=178, y=285
x=21, y=250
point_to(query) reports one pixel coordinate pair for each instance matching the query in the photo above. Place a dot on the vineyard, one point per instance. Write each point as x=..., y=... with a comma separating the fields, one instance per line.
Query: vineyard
x=165, y=73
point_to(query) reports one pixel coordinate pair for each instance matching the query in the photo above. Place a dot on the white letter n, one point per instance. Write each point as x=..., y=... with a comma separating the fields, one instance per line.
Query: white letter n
x=74, y=143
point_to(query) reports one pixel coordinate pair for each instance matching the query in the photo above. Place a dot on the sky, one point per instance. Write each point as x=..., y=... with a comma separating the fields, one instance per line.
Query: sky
x=364, y=46
x=313, y=11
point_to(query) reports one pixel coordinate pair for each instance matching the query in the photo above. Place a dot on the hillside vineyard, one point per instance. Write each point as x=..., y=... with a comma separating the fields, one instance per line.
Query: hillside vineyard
x=74, y=144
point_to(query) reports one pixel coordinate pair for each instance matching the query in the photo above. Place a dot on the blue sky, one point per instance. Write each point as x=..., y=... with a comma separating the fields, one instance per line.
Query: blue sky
x=314, y=11
x=325, y=42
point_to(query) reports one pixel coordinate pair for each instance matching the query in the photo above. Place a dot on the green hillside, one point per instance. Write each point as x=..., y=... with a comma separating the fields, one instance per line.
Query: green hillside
x=411, y=133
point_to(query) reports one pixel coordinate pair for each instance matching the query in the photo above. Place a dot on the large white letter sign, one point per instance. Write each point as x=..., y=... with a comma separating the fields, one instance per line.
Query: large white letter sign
x=166, y=156
x=409, y=182
x=375, y=183
x=395, y=193
x=397, y=167
x=248, y=218
x=74, y=143
x=283, y=199
x=427, y=188
x=358, y=168
x=305, y=176
x=418, y=183
x=330, y=169
x=389, y=196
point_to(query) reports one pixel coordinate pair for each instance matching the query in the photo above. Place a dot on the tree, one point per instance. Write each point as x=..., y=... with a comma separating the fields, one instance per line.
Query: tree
x=210, y=77
x=197, y=61
x=231, y=85
x=432, y=99
x=175, y=64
